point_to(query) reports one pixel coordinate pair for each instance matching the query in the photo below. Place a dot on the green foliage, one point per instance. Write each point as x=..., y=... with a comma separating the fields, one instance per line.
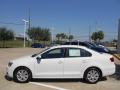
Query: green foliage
x=58, y=36
x=94, y=36
x=6, y=35
x=61, y=36
x=70, y=37
x=100, y=35
x=12, y=44
x=39, y=34
x=97, y=36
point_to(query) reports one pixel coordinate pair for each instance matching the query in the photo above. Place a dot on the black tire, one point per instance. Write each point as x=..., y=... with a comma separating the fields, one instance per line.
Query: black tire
x=22, y=78
x=92, y=75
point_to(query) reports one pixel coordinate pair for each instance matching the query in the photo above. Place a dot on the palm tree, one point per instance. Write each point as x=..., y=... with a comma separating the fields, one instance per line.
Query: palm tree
x=100, y=35
x=63, y=36
x=97, y=36
x=94, y=36
x=58, y=36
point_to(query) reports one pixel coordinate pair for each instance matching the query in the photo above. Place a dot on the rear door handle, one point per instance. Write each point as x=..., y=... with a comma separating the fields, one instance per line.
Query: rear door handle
x=83, y=61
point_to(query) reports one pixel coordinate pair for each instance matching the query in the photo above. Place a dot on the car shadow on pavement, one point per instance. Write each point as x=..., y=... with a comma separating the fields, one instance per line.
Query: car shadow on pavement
x=56, y=80
x=116, y=76
x=8, y=78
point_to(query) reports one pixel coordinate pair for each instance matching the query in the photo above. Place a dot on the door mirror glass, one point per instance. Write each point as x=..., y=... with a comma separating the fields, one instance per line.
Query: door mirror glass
x=38, y=59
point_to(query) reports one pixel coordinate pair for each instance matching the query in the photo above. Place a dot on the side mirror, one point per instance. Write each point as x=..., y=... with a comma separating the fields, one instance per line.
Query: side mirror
x=38, y=59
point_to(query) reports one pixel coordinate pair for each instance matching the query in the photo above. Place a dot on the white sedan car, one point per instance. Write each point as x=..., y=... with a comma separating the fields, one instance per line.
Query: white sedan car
x=65, y=61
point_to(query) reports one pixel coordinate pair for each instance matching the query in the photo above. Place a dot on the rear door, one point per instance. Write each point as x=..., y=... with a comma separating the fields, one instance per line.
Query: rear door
x=75, y=60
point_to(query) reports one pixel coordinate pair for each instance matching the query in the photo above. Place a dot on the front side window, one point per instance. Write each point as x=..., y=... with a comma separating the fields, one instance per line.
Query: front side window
x=55, y=53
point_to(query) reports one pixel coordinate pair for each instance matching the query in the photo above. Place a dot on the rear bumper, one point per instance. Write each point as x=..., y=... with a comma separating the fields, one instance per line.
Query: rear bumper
x=109, y=71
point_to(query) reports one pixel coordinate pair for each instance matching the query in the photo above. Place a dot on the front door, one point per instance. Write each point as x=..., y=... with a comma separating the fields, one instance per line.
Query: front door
x=51, y=64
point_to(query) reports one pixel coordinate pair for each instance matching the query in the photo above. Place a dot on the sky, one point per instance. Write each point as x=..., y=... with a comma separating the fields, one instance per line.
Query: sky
x=76, y=16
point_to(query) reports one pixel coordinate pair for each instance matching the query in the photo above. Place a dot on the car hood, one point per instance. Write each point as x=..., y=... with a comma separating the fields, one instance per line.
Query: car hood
x=24, y=59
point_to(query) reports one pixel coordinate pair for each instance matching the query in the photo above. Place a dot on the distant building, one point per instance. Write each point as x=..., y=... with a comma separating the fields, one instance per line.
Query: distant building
x=18, y=37
x=21, y=37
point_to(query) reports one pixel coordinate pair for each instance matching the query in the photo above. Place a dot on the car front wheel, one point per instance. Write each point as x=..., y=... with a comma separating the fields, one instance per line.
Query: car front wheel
x=22, y=75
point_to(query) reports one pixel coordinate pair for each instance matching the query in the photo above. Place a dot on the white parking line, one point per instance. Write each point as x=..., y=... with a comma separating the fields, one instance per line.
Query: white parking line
x=49, y=86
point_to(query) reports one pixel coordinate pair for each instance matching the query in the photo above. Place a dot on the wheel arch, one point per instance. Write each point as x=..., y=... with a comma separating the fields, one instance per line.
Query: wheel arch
x=101, y=73
x=23, y=67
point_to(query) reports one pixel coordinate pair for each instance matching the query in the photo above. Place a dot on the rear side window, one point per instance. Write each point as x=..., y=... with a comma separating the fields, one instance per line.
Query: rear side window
x=76, y=52
x=85, y=53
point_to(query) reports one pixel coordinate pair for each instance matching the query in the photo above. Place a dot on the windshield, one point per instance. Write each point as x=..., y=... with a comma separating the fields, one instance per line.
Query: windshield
x=34, y=55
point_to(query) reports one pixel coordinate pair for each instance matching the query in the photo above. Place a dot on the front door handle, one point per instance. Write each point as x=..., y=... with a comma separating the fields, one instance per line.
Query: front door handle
x=60, y=62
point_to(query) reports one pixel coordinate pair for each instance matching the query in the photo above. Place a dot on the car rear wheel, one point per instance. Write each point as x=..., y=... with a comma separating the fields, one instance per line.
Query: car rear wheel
x=22, y=75
x=92, y=75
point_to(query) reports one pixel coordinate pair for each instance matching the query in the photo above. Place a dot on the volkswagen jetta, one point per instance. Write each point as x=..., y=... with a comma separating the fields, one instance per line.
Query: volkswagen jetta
x=65, y=61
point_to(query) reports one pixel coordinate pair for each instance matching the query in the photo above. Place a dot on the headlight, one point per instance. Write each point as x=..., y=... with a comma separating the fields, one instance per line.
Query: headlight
x=10, y=64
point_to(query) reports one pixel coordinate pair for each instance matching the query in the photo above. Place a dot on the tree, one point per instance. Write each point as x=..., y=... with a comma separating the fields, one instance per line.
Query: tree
x=61, y=36
x=70, y=37
x=46, y=35
x=100, y=35
x=39, y=34
x=58, y=36
x=97, y=36
x=94, y=36
x=6, y=35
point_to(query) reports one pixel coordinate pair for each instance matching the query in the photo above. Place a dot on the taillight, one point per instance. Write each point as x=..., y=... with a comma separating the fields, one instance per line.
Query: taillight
x=112, y=59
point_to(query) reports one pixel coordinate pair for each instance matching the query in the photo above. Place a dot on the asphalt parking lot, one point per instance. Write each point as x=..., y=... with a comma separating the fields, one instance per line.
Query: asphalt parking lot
x=109, y=83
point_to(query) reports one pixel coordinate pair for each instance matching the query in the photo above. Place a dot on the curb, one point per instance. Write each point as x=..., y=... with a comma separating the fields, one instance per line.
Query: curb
x=117, y=56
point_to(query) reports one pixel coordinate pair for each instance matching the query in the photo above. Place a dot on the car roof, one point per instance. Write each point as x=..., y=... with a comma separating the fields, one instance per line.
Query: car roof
x=68, y=46
x=73, y=46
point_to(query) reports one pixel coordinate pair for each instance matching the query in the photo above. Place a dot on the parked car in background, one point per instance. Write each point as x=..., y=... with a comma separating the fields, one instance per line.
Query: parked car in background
x=100, y=46
x=37, y=45
x=63, y=61
x=89, y=45
x=51, y=45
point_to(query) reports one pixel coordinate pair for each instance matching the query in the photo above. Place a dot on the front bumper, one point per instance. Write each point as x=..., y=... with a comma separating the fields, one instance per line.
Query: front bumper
x=9, y=72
